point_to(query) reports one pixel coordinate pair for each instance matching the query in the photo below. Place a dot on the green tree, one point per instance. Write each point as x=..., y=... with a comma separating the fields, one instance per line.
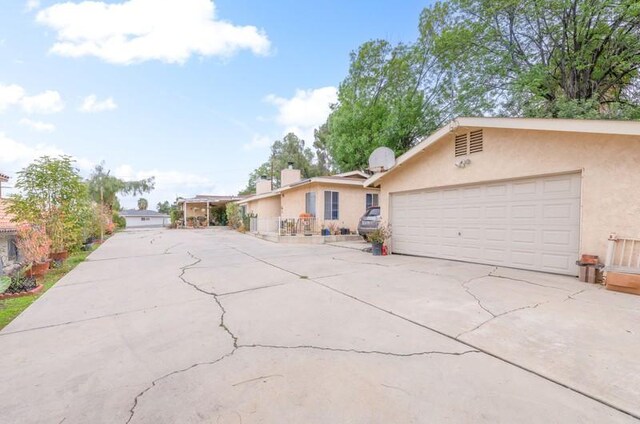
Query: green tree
x=290, y=149
x=104, y=187
x=143, y=204
x=543, y=58
x=392, y=95
x=164, y=207
x=51, y=193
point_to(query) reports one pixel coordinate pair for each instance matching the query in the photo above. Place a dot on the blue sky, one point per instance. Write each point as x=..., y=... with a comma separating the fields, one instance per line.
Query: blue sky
x=190, y=91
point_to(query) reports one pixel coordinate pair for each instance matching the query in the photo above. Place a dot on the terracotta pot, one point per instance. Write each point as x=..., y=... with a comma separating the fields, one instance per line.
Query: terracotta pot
x=38, y=269
x=59, y=256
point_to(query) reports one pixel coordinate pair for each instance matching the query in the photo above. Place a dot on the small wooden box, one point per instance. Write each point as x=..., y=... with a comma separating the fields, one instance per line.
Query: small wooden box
x=625, y=283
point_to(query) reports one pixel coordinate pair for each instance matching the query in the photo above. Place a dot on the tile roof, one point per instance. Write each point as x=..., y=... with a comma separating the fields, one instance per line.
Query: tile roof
x=6, y=226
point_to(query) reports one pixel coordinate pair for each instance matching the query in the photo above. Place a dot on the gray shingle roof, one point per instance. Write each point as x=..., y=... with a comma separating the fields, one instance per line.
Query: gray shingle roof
x=137, y=212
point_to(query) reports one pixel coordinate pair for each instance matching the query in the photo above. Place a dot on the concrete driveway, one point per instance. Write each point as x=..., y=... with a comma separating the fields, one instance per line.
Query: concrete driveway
x=213, y=326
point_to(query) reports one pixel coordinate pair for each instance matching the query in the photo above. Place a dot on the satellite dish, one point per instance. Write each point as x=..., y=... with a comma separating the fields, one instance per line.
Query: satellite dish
x=381, y=159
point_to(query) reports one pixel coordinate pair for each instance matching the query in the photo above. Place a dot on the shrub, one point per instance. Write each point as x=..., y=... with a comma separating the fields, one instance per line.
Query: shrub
x=234, y=215
x=379, y=235
x=33, y=243
x=52, y=195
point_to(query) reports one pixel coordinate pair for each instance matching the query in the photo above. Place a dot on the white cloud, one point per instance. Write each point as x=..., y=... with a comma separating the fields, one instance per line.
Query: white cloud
x=48, y=101
x=32, y=5
x=305, y=111
x=37, y=125
x=10, y=95
x=169, y=184
x=135, y=31
x=91, y=104
x=257, y=142
x=16, y=155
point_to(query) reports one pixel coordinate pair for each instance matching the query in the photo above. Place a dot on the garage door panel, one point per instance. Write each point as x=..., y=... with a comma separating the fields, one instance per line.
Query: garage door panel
x=532, y=223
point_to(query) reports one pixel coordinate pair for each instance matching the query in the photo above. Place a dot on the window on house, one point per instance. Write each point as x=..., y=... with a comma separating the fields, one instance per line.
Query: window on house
x=12, y=249
x=331, y=205
x=371, y=200
x=145, y=218
x=310, y=203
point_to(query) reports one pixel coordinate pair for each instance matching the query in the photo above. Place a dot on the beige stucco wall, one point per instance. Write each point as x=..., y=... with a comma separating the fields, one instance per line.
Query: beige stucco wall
x=268, y=207
x=351, y=204
x=610, y=167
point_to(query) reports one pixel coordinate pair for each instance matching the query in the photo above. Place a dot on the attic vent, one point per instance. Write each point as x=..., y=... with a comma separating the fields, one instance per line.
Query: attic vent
x=461, y=145
x=475, y=141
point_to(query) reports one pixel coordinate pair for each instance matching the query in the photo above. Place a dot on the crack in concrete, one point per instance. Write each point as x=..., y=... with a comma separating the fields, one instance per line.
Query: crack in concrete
x=212, y=294
x=571, y=296
x=465, y=286
x=166, y=251
x=262, y=377
x=473, y=348
x=358, y=351
x=500, y=315
x=132, y=410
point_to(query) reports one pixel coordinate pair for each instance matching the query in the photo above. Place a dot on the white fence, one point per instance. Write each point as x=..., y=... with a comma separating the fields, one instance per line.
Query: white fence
x=623, y=255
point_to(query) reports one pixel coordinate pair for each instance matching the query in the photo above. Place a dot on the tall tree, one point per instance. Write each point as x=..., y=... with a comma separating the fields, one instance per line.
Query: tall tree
x=546, y=58
x=290, y=149
x=392, y=95
x=143, y=204
x=104, y=187
x=164, y=207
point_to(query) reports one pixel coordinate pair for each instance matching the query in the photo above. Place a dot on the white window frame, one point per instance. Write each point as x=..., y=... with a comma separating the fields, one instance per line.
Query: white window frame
x=368, y=196
x=310, y=203
x=333, y=205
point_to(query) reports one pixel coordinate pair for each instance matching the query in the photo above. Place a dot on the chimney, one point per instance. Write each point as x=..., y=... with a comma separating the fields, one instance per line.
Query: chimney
x=263, y=185
x=289, y=175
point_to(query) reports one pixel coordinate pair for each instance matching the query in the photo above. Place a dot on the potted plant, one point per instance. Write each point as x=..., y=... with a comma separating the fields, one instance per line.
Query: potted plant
x=34, y=246
x=377, y=239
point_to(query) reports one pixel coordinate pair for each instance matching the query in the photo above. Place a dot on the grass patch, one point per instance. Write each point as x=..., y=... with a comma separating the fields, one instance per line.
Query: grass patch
x=11, y=308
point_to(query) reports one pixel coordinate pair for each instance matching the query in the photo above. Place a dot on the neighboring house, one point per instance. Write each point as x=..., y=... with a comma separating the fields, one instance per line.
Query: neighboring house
x=144, y=218
x=524, y=193
x=8, y=250
x=205, y=208
x=337, y=199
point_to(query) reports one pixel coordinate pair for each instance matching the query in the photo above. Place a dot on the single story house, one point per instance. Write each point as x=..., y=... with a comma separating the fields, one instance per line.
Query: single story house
x=206, y=209
x=336, y=200
x=8, y=250
x=144, y=218
x=516, y=192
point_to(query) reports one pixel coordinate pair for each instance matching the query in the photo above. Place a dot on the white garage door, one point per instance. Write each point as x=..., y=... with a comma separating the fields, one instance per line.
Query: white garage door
x=529, y=223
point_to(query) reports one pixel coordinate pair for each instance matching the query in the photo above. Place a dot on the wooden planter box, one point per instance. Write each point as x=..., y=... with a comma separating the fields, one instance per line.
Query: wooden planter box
x=625, y=283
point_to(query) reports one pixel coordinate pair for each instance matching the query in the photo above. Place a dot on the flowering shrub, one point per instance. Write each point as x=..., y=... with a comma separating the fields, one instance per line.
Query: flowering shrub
x=33, y=243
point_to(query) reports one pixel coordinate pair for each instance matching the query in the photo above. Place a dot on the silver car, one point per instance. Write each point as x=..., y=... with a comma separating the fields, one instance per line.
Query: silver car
x=369, y=221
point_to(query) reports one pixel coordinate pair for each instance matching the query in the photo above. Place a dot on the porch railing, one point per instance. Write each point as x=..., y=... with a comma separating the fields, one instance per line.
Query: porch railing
x=285, y=226
x=623, y=254
x=298, y=226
